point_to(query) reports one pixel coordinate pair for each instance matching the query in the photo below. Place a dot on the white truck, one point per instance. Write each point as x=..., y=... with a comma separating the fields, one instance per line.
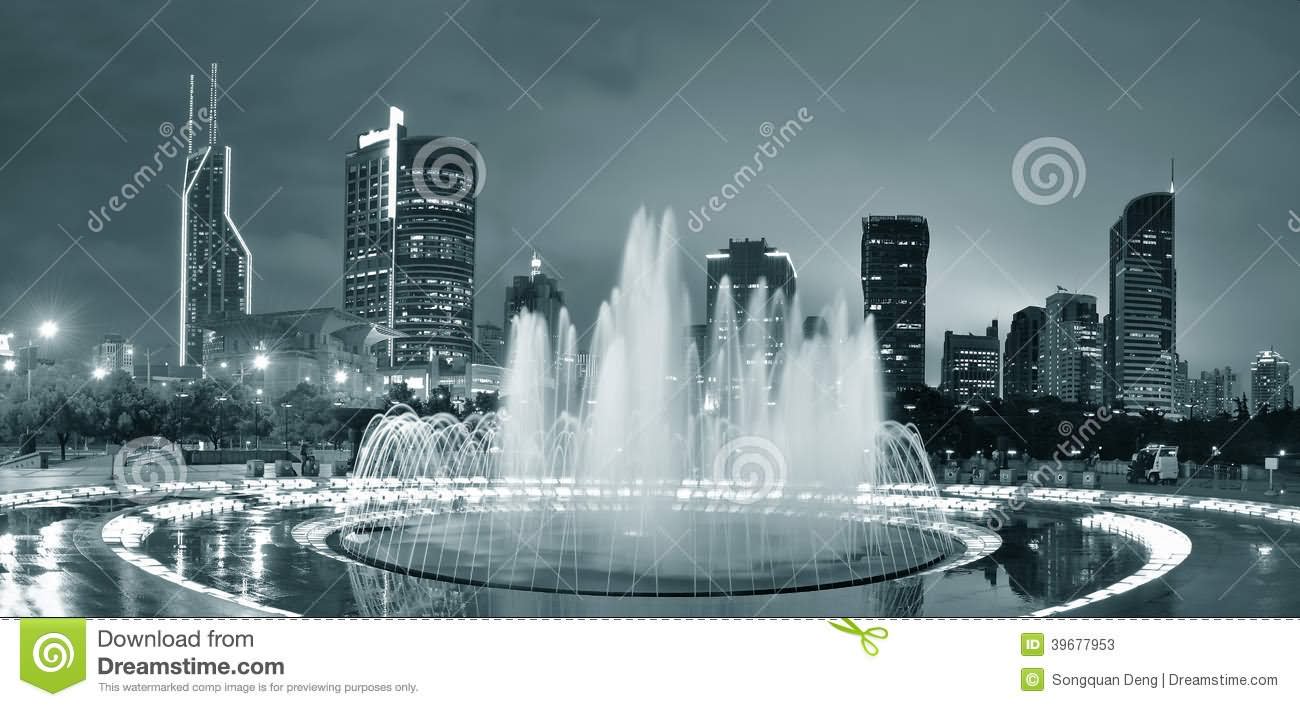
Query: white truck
x=1154, y=464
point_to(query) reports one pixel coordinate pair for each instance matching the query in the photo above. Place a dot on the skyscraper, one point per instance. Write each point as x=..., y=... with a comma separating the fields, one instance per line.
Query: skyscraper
x=490, y=346
x=409, y=240
x=1140, y=347
x=537, y=293
x=1270, y=382
x=894, y=252
x=1020, y=361
x=736, y=273
x=971, y=365
x=1069, y=363
x=216, y=264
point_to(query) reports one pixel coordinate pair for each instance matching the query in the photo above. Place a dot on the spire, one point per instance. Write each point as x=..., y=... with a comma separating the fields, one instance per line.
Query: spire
x=1171, y=175
x=535, y=266
x=189, y=122
x=212, y=105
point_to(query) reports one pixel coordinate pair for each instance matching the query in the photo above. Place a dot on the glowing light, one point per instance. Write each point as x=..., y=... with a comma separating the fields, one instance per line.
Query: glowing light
x=10, y=365
x=48, y=329
x=99, y=373
x=340, y=377
x=260, y=362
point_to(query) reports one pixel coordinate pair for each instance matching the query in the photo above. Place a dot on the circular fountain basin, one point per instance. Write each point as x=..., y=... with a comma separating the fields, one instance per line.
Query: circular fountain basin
x=655, y=551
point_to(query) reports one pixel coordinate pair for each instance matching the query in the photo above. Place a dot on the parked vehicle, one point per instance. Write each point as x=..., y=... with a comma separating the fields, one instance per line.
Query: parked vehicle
x=1154, y=464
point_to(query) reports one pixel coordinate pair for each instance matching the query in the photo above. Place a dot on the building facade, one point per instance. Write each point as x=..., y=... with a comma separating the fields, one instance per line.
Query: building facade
x=114, y=353
x=894, y=253
x=1270, y=382
x=216, y=263
x=537, y=293
x=409, y=242
x=1213, y=393
x=735, y=275
x=1140, y=355
x=1020, y=360
x=1070, y=357
x=276, y=352
x=490, y=345
x=971, y=366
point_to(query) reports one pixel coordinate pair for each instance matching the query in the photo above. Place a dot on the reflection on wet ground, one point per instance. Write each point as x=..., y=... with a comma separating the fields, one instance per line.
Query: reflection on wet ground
x=1046, y=559
x=52, y=562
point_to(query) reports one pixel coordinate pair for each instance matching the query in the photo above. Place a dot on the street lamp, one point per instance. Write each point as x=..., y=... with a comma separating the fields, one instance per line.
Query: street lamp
x=10, y=365
x=285, y=407
x=99, y=373
x=261, y=361
x=340, y=377
x=220, y=408
x=48, y=329
x=257, y=420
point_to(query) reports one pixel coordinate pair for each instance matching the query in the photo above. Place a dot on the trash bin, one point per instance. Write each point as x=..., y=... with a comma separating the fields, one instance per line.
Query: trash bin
x=256, y=468
x=1090, y=480
x=284, y=468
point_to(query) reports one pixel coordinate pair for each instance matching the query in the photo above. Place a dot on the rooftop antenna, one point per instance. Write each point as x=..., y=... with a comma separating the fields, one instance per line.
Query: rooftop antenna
x=212, y=106
x=535, y=267
x=189, y=122
x=1171, y=175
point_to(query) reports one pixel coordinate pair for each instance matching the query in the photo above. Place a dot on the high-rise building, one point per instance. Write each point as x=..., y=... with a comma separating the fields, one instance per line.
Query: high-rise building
x=490, y=346
x=894, y=252
x=1069, y=362
x=1020, y=360
x=409, y=239
x=739, y=271
x=114, y=353
x=971, y=365
x=216, y=264
x=537, y=293
x=1182, y=388
x=1270, y=382
x=1140, y=347
x=1212, y=393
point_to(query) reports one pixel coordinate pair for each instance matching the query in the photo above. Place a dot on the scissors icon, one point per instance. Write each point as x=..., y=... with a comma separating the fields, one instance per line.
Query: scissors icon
x=868, y=645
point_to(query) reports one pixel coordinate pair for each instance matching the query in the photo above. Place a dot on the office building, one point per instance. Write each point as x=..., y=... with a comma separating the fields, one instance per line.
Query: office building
x=1270, y=382
x=409, y=242
x=1070, y=357
x=1020, y=359
x=755, y=282
x=490, y=345
x=971, y=365
x=114, y=353
x=537, y=293
x=1140, y=355
x=216, y=264
x=894, y=252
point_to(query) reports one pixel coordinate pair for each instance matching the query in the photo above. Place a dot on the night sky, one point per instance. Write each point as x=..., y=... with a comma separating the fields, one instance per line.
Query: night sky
x=658, y=104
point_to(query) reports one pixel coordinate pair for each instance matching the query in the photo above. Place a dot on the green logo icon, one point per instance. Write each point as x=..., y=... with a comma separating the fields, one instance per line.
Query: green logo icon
x=1032, y=644
x=52, y=652
x=868, y=645
x=1031, y=679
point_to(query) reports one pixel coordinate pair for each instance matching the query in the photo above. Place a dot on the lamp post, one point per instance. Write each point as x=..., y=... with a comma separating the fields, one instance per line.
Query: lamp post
x=221, y=406
x=47, y=331
x=285, y=407
x=257, y=420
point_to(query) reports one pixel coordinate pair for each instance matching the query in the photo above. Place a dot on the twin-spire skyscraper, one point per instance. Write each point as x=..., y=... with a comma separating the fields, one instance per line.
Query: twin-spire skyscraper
x=216, y=264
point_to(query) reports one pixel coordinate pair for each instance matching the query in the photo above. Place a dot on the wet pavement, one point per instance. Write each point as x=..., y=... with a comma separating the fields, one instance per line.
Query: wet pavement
x=53, y=562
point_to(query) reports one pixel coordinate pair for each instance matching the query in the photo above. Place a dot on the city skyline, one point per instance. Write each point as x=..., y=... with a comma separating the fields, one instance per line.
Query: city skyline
x=1027, y=251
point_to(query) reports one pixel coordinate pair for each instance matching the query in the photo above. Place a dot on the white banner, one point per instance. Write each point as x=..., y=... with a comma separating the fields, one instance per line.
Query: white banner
x=659, y=662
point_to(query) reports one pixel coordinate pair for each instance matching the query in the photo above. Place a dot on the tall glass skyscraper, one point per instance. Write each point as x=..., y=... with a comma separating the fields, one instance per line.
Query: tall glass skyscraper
x=894, y=251
x=735, y=273
x=1020, y=377
x=409, y=237
x=1070, y=355
x=1140, y=354
x=216, y=264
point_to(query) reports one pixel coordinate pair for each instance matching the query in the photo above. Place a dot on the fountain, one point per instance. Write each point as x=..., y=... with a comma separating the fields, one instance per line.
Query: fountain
x=646, y=472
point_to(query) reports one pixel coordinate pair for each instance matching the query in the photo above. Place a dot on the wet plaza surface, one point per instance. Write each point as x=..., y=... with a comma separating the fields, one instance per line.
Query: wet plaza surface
x=53, y=562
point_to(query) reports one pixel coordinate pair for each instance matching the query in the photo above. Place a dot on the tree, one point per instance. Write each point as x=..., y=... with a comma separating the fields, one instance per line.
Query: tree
x=58, y=406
